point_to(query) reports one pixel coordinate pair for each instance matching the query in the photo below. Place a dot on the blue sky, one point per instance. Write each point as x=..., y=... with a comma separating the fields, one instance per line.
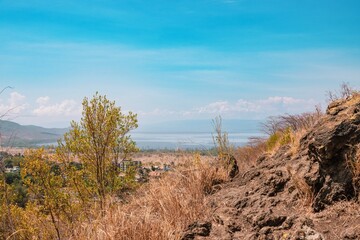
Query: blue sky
x=173, y=60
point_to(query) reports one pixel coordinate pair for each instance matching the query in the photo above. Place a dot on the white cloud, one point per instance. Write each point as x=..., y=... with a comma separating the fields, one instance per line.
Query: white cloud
x=281, y=100
x=13, y=105
x=65, y=108
x=215, y=107
x=241, y=109
x=270, y=106
x=43, y=100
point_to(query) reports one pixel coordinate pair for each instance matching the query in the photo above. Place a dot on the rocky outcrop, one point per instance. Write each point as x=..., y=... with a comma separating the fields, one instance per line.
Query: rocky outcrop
x=330, y=145
x=309, y=193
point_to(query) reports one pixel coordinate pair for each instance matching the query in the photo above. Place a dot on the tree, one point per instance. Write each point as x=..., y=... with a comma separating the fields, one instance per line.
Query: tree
x=6, y=223
x=98, y=142
x=47, y=188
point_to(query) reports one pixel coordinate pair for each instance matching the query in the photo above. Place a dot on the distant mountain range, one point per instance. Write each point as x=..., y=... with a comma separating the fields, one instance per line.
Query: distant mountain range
x=16, y=135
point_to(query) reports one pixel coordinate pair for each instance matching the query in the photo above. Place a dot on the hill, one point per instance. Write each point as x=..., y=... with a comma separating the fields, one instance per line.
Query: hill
x=16, y=135
x=304, y=186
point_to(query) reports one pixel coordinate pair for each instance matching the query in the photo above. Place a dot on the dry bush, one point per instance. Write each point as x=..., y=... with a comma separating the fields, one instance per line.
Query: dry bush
x=296, y=122
x=345, y=92
x=288, y=129
x=246, y=156
x=161, y=209
x=282, y=130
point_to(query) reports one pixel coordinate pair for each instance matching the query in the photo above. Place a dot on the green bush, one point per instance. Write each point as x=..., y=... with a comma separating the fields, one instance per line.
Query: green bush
x=280, y=138
x=12, y=178
x=272, y=141
x=287, y=137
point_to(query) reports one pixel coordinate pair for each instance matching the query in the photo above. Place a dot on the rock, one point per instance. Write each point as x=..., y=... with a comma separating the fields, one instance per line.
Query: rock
x=329, y=145
x=350, y=234
x=234, y=169
x=197, y=229
x=307, y=233
x=266, y=220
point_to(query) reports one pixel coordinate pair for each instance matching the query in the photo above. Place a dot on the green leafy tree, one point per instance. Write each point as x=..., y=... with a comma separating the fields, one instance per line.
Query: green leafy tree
x=98, y=142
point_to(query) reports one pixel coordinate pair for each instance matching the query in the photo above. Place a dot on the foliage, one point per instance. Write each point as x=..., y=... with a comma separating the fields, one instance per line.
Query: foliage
x=280, y=138
x=12, y=193
x=46, y=189
x=98, y=142
x=12, y=178
x=273, y=141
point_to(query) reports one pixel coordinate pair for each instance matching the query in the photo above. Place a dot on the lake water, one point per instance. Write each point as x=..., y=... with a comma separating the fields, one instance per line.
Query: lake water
x=186, y=140
x=191, y=140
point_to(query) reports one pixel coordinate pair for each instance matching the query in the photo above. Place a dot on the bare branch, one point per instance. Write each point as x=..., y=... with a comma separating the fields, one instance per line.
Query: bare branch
x=5, y=89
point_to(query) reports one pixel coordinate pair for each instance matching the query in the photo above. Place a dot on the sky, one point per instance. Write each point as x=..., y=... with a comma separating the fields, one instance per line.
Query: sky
x=175, y=60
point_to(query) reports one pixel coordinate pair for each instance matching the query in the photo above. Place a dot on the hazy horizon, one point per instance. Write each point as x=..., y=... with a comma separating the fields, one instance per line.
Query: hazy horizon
x=186, y=134
x=186, y=126
x=167, y=60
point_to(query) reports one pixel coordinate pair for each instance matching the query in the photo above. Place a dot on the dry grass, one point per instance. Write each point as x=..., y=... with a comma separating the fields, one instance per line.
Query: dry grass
x=306, y=192
x=161, y=209
x=246, y=156
x=337, y=219
x=295, y=146
x=353, y=162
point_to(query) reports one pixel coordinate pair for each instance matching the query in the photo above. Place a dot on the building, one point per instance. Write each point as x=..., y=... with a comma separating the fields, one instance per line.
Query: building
x=126, y=164
x=14, y=169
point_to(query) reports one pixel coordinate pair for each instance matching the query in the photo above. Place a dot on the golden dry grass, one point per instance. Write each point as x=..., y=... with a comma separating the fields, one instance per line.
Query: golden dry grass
x=161, y=209
x=305, y=191
x=246, y=156
x=353, y=162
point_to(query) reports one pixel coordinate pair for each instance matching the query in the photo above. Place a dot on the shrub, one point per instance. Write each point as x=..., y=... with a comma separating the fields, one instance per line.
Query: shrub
x=288, y=129
x=273, y=141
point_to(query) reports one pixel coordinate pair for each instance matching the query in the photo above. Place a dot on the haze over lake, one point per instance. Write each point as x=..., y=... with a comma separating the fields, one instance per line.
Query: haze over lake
x=194, y=134
x=188, y=134
x=190, y=140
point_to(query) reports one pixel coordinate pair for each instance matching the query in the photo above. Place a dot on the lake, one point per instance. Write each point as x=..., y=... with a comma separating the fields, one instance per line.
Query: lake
x=191, y=140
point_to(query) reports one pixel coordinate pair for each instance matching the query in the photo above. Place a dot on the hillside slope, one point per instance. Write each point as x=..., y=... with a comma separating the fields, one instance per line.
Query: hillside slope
x=14, y=134
x=311, y=192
